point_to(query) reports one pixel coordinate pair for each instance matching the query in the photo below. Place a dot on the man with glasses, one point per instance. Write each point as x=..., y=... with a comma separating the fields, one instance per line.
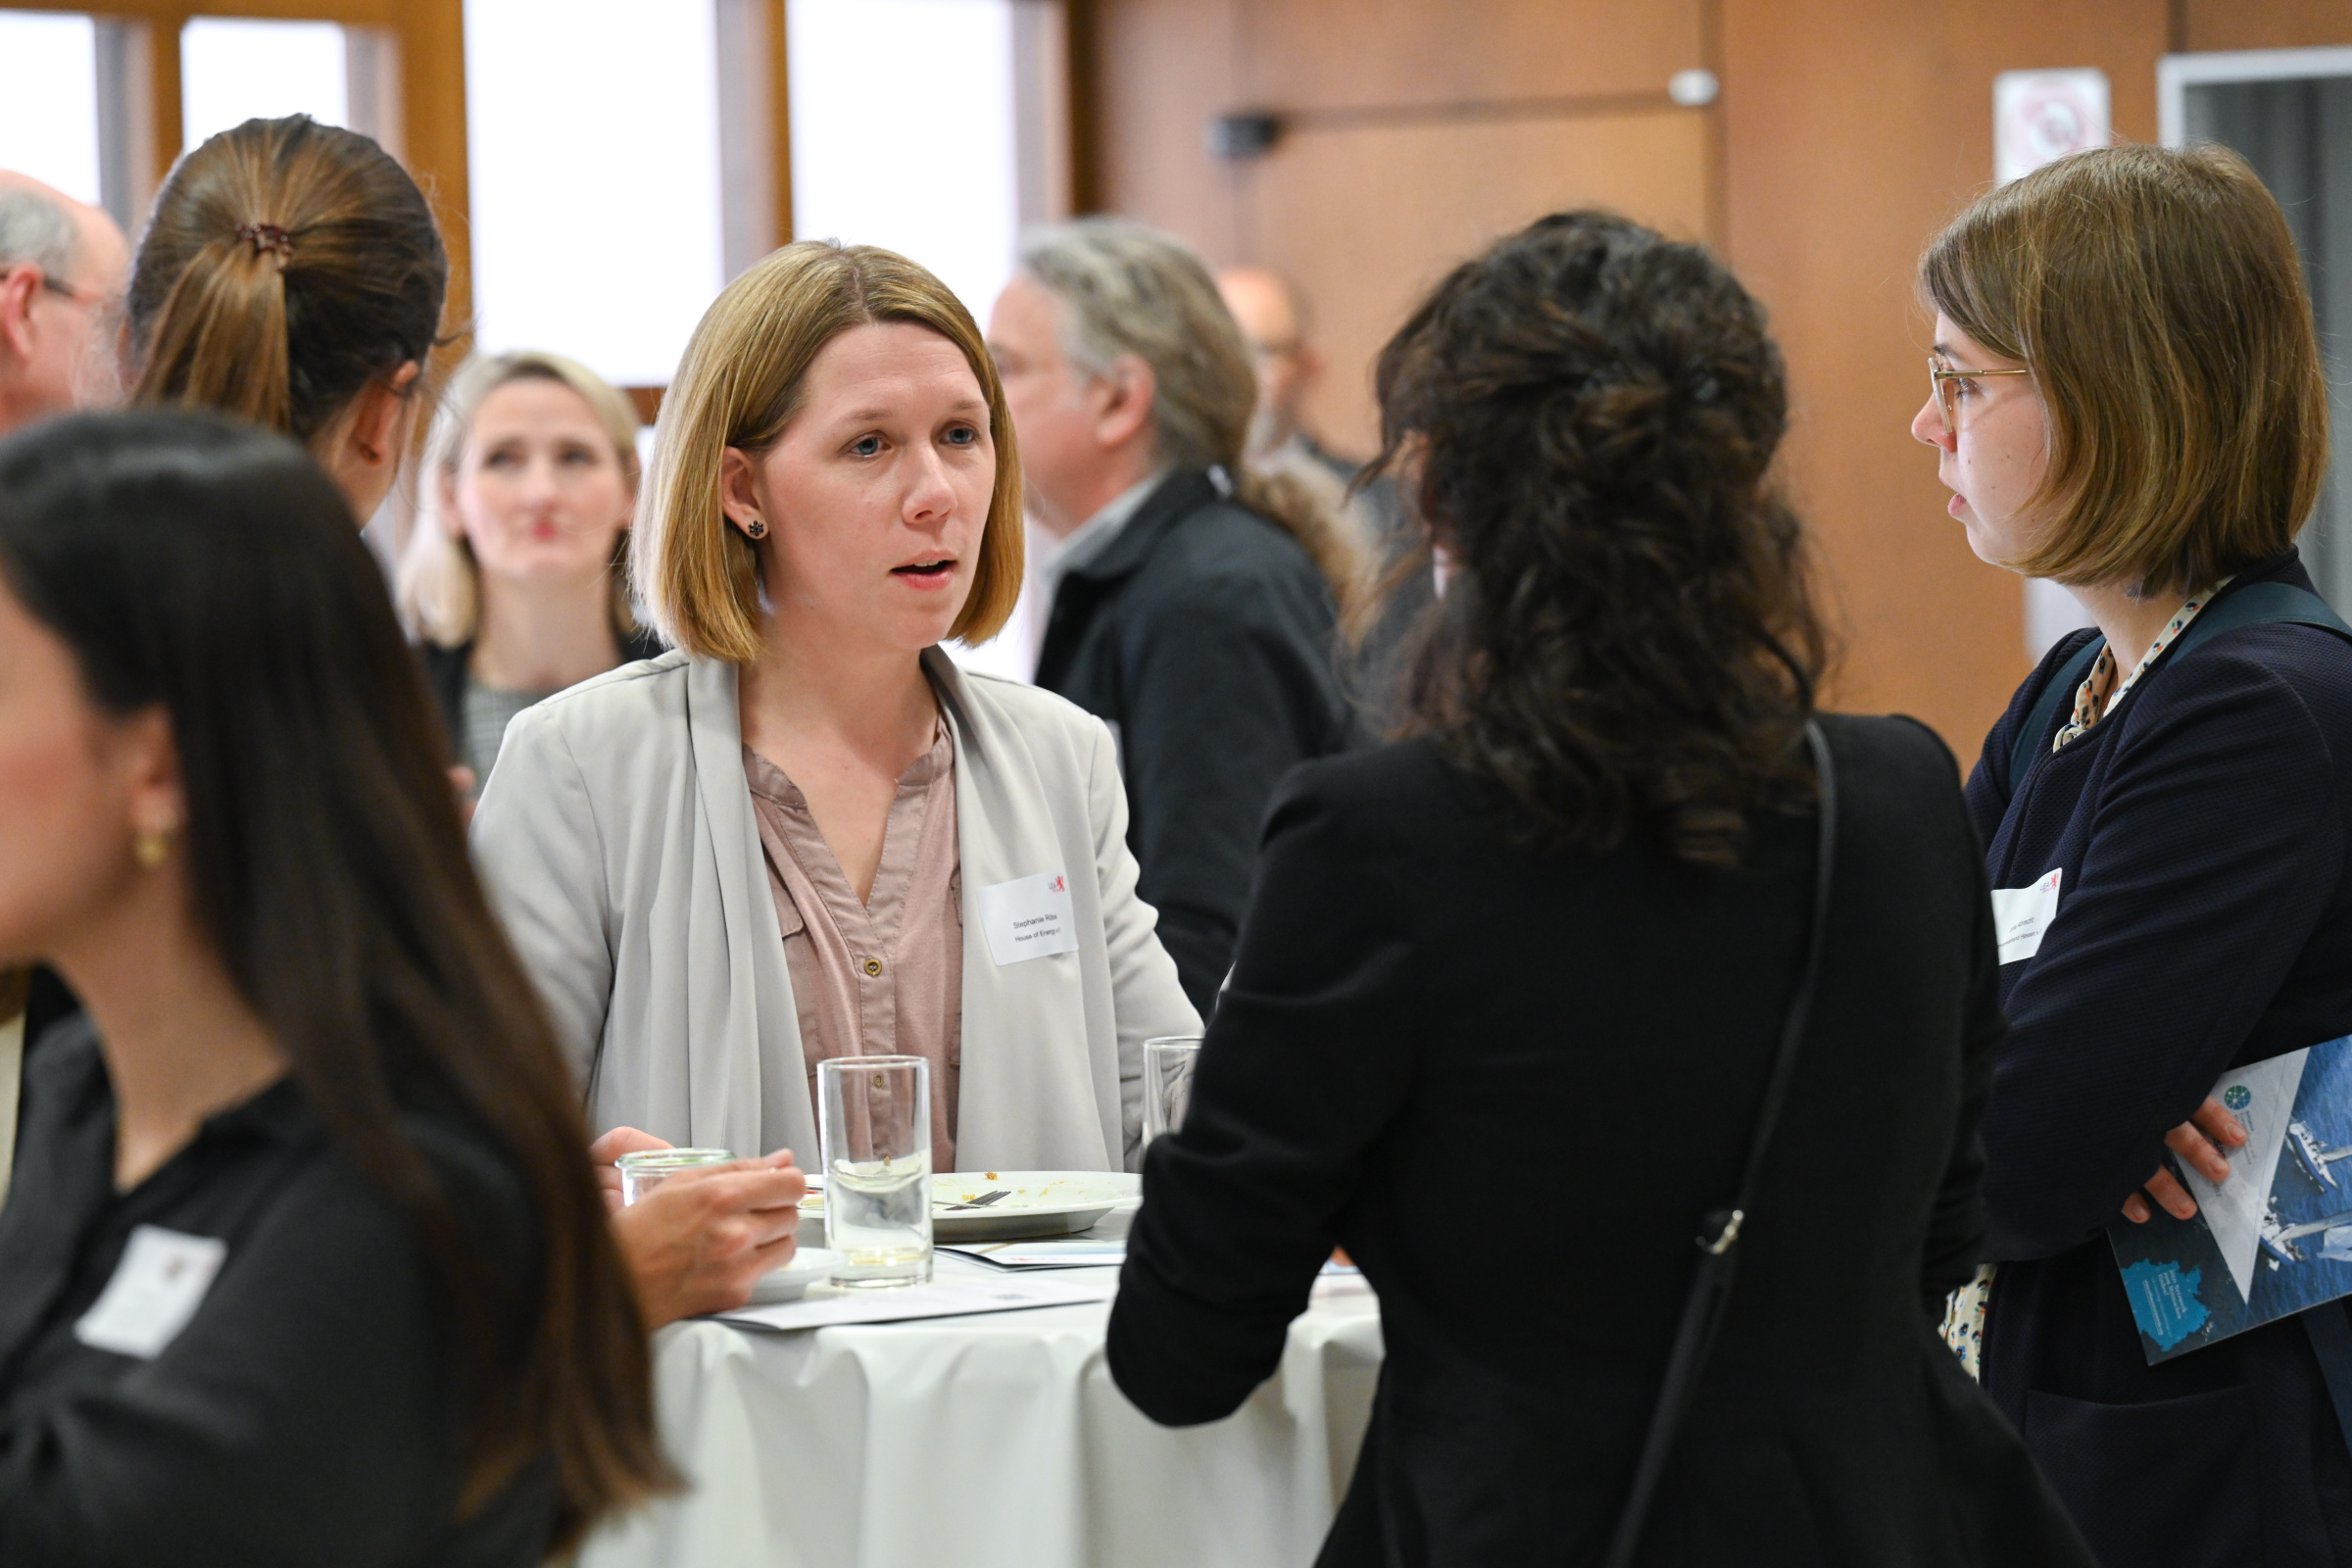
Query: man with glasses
x=62, y=268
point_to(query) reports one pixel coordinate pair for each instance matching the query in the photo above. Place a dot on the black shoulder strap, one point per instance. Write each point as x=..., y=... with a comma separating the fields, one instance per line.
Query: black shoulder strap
x=1711, y=1287
x=2032, y=737
x=2255, y=604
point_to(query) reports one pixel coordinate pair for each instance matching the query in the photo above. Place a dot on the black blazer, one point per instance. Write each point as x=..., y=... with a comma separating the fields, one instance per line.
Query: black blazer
x=2204, y=919
x=445, y=672
x=1510, y=1080
x=1204, y=636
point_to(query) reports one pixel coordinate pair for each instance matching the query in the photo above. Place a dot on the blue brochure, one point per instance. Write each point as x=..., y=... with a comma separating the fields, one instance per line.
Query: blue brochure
x=2275, y=1237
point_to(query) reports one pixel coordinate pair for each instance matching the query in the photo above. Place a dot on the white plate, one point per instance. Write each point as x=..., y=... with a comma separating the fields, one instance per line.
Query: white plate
x=1037, y=1202
x=810, y=1265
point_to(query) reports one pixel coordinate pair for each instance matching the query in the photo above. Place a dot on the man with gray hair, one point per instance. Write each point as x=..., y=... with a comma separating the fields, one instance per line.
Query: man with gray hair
x=1193, y=603
x=63, y=268
x=63, y=265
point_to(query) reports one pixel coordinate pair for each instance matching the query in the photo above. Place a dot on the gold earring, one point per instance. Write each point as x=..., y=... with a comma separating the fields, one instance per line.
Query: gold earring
x=756, y=528
x=150, y=848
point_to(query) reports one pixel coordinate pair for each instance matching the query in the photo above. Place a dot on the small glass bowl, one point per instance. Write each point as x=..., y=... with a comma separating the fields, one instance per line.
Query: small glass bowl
x=648, y=1169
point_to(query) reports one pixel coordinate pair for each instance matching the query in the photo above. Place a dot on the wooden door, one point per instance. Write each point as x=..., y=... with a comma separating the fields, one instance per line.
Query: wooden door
x=1411, y=135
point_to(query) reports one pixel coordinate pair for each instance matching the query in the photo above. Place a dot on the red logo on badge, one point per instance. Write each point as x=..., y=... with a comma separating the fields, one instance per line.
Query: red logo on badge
x=1060, y=886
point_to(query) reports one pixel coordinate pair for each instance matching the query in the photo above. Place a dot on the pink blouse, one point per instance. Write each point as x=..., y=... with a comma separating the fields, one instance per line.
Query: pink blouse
x=884, y=977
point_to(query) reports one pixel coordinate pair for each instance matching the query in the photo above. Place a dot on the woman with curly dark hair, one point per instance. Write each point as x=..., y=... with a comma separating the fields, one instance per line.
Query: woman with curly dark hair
x=1620, y=930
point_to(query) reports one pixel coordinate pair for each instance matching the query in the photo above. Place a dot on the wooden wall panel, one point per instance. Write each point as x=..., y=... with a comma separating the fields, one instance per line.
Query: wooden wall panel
x=1307, y=54
x=1849, y=130
x=1853, y=129
x=1372, y=218
x=1415, y=134
x=1158, y=71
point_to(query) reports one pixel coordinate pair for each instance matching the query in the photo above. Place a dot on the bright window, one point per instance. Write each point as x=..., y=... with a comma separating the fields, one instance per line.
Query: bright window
x=592, y=130
x=233, y=70
x=903, y=135
x=49, y=108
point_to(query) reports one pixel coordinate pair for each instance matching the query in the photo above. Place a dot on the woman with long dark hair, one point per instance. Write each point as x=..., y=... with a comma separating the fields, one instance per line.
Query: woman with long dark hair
x=303, y=1264
x=1511, y=992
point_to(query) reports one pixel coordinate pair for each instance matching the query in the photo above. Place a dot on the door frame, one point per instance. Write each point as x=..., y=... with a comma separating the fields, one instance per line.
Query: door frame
x=2176, y=74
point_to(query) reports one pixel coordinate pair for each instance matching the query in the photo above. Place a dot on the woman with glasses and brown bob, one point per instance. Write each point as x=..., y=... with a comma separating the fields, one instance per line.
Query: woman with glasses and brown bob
x=2127, y=400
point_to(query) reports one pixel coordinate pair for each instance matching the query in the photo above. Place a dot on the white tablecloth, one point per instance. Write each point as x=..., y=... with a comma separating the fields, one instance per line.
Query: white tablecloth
x=979, y=1441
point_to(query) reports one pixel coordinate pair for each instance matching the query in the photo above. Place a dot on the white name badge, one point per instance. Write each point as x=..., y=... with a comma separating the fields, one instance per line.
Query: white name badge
x=2020, y=916
x=157, y=1288
x=1028, y=917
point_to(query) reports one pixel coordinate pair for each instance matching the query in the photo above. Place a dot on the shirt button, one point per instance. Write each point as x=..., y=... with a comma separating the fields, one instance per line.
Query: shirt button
x=873, y=968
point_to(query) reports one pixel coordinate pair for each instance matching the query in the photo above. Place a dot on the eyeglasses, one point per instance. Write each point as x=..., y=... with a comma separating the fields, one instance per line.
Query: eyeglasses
x=1941, y=377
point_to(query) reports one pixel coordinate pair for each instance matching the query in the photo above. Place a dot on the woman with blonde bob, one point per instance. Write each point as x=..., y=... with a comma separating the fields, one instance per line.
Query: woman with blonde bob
x=804, y=832
x=516, y=582
x=2127, y=400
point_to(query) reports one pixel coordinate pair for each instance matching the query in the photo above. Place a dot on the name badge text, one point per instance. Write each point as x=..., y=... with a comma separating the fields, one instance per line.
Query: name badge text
x=1028, y=917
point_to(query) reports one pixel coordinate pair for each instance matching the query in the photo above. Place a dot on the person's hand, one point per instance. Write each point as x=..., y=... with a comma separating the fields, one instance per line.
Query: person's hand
x=698, y=1242
x=462, y=780
x=606, y=1149
x=2195, y=1142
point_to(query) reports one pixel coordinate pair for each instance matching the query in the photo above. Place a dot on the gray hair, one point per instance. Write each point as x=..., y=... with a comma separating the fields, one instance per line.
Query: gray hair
x=1126, y=288
x=1130, y=290
x=34, y=228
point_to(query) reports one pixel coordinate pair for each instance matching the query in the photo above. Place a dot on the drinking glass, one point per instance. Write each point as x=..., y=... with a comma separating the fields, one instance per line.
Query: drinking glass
x=1168, y=1082
x=874, y=1129
x=648, y=1169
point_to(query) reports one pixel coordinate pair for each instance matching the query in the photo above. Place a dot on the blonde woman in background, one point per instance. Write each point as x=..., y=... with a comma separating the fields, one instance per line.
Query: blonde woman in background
x=516, y=582
x=798, y=836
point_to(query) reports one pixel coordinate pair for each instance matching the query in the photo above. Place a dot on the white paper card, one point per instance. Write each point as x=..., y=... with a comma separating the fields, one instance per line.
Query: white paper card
x=959, y=1298
x=2020, y=916
x=1029, y=917
x=1048, y=1254
x=157, y=1288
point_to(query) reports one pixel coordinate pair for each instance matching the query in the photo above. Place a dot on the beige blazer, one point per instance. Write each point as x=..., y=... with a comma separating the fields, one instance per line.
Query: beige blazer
x=617, y=839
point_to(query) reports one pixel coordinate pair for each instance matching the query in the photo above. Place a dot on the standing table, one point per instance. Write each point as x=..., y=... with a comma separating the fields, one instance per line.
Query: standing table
x=990, y=1442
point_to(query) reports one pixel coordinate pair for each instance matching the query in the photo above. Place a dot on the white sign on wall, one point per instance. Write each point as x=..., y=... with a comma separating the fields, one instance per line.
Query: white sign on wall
x=2038, y=116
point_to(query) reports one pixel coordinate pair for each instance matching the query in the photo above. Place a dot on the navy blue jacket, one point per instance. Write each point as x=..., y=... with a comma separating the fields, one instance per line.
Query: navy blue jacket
x=2204, y=920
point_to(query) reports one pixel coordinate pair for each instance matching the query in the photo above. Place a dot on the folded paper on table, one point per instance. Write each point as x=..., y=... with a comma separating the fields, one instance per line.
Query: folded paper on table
x=2274, y=1239
x=1046, y=1254
x=1009, y=1293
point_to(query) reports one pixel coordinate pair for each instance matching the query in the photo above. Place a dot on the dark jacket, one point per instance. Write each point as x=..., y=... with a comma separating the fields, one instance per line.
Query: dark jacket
x=1510, y=1080
x=307, y=1411
x=1204, y=636
x=2204, y=920
x=445, y=672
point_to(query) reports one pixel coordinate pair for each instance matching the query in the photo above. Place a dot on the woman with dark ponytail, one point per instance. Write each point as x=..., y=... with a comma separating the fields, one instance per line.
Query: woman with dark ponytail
x=292, y=276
